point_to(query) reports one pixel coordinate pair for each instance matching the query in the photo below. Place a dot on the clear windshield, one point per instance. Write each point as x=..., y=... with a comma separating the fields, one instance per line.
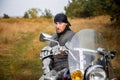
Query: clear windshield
x=83, y=48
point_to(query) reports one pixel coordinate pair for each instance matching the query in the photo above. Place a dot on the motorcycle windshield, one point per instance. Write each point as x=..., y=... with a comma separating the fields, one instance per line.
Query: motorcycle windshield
x=83, y=48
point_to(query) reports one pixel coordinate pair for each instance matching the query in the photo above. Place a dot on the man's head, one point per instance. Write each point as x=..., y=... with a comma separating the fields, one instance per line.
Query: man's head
x=61, y=22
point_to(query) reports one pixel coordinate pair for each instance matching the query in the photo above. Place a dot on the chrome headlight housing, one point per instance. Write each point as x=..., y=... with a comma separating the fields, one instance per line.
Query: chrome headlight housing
x=96, y=72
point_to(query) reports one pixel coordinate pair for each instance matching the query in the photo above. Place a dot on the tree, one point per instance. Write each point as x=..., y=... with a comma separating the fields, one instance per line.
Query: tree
x=87, y=8
x=79, y=8
x=26, y=15
x=47, y=14
x=111, y=7
x=5, y=16
x=115, y=10
x=33, y=13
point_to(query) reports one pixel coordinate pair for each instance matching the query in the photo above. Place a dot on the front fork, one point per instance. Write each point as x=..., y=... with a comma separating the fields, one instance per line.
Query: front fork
x=109, y=69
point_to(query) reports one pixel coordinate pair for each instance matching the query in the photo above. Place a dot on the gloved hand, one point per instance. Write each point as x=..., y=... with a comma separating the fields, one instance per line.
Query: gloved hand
x=59, y=50
x=45, y=52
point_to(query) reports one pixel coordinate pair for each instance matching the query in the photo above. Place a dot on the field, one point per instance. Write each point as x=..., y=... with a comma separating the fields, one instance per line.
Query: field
x=20, y=45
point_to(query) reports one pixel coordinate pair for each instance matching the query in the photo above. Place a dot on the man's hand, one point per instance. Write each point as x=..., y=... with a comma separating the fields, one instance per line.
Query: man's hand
x=45, y=52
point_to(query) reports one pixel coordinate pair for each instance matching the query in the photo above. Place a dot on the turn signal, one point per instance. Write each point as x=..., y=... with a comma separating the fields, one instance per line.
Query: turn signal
x=77, y=75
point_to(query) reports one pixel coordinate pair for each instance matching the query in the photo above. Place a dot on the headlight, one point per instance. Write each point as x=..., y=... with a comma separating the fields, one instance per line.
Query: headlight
x=77, y=75
x=97, y=73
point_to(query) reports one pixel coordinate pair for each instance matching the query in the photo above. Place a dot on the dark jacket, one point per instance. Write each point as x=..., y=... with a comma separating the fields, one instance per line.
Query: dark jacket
x=63, y=38
x=61, y=61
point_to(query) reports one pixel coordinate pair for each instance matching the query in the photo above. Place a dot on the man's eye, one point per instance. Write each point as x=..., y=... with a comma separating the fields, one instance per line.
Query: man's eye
x=60, y=22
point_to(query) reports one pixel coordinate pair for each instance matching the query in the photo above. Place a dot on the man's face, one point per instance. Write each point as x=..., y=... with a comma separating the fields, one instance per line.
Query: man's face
x=60, y=26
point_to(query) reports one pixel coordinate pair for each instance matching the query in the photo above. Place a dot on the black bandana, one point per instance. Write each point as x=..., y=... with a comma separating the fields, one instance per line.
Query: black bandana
x=61, y=18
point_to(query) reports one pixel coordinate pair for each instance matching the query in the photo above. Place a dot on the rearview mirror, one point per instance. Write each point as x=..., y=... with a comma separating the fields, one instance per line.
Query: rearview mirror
x=47, y=38
x=44, y=37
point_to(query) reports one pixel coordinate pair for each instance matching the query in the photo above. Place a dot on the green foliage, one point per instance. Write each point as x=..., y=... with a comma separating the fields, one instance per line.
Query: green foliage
x=109, y=7
x=26, y=15
x=85, y=8
x=79, y=8
x=33, y=13
x=47, y=14
x=88, y=8
x=115, y=10
x=6, y=16
x=73, y=9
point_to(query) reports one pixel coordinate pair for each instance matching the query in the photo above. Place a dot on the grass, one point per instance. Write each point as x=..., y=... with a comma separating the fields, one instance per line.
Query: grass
x=17, y=66
x=14, y=52
x=20, y=45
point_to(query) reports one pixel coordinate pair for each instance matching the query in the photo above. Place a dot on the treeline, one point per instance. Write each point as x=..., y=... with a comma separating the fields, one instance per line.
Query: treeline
x=90, y=8
x=34, y=13
x=82, y=9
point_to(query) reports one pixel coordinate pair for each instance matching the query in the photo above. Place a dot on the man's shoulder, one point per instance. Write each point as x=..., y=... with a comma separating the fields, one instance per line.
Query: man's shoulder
x=70, y=32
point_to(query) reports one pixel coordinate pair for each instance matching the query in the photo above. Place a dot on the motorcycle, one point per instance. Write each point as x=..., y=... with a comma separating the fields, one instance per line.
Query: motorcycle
x=87, y=57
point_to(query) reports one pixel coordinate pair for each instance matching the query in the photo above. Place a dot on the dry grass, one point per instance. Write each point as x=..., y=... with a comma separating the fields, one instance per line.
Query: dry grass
x=94, y=23
x=20, y=46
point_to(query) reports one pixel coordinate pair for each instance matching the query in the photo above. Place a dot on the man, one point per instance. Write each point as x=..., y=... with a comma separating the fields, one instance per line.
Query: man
x=63, y=31
x=62, y=35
